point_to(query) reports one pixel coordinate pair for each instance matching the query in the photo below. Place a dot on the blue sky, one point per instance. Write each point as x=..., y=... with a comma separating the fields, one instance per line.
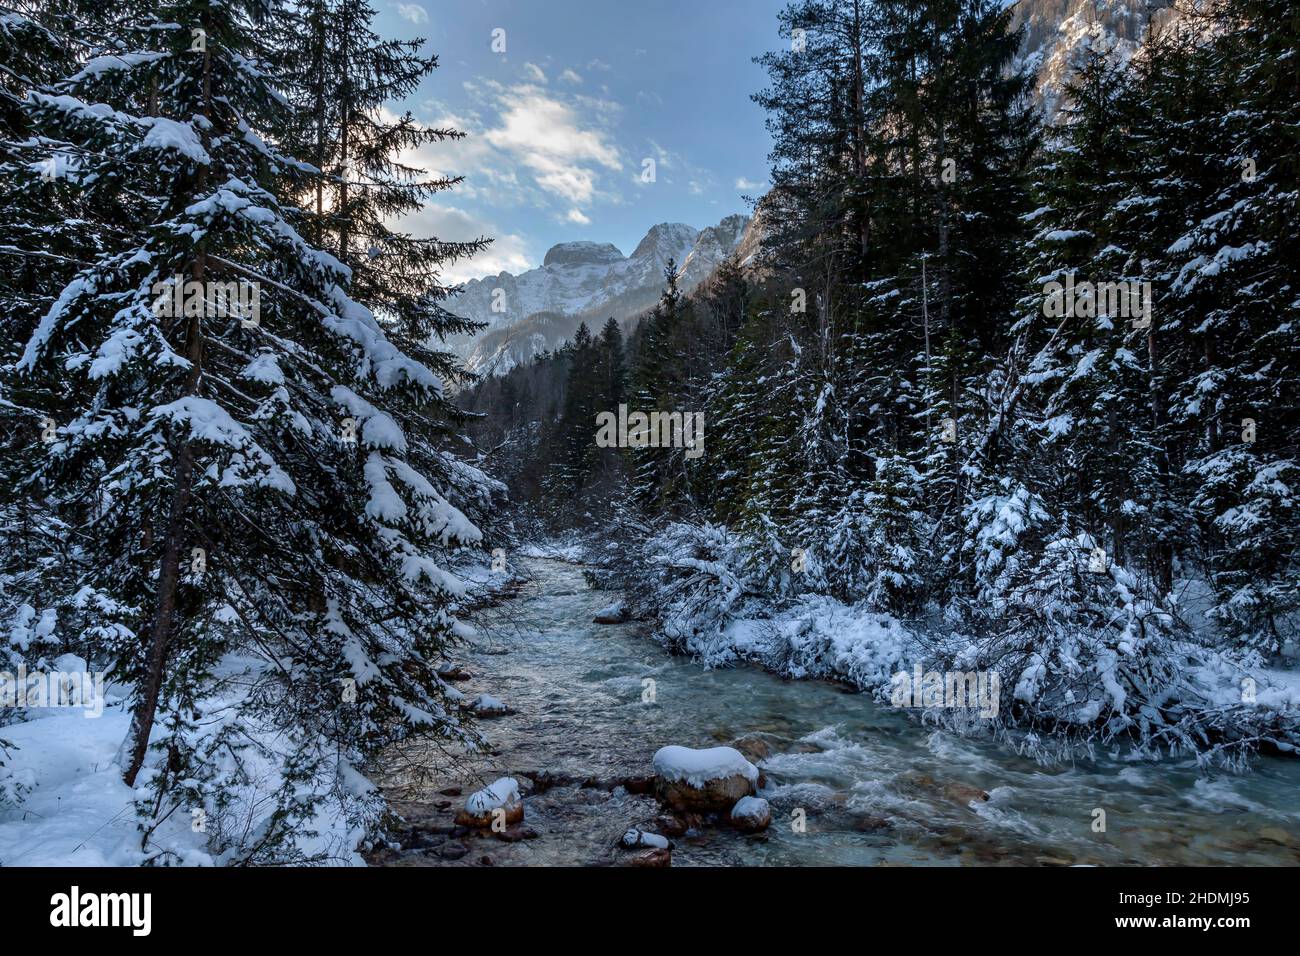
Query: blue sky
x=560, y=124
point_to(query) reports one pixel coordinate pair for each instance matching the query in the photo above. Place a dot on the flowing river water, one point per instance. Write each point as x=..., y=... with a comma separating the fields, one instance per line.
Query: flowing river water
x=874, y=785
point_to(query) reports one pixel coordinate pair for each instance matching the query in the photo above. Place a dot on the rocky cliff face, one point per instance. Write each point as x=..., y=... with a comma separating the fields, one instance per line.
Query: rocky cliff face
x=584, y=281
x=1057, y=30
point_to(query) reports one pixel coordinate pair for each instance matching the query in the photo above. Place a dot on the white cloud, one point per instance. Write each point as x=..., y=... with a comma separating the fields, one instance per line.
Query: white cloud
x=569, y=76
x=547, y=136
x=746, y=185
x=413, y=12
x=507, y=253
x=599, y=64
x=524, y=145
x=534, y=72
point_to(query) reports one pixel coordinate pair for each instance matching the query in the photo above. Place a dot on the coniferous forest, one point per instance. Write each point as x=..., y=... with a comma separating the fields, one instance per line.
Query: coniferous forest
x=926, y=397
x=957, y=502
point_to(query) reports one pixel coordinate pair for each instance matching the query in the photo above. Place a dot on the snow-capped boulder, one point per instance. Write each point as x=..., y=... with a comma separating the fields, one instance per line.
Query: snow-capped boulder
x=485, y=705
x=615, y=613
x=452, y=672
x=708, y=780
x=499, y=801
x=751, y=814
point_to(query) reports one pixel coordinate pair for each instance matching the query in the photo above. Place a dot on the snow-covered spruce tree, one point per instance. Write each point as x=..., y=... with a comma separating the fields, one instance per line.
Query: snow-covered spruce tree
x=738, y=403
x=36, y=203
x=264, y=516
x=46, y=231
x=1233, y=301
x=889, y=547
x=660, y=383
x=1083, y=654
x=781, y=494
x=1078, y=649
x=576, y=426
x=341, y=79
x=607, y=487
x=958, y=137
x=1089, y=448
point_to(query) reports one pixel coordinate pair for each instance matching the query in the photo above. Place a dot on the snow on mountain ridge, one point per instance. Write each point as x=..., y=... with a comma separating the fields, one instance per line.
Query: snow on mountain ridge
x=583, y=280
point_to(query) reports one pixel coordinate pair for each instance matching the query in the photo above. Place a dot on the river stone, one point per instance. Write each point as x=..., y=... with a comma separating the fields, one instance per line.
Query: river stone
x=1278, y=835
x=481, y=809
x=485, y=705
x=960, y=793
x=704, y=781
x=614, y=614
x=673, y=826
x=453, y=851
x=751, y=815
x=635, y=838
x=753, y=747
x=516, y=833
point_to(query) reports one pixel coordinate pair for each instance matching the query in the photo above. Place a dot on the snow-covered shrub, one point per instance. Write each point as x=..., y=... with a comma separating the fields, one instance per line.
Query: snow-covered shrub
x=696, y=579
x=258, y=769
x=1253, y=512
x=819, y=636
x=778, y=562
x=873, y=543
x=1083, y=650
x=13, y=786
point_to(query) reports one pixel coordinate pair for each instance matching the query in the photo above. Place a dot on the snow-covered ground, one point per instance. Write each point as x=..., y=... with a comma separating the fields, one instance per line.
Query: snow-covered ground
x=63, y=801
x=76, y=810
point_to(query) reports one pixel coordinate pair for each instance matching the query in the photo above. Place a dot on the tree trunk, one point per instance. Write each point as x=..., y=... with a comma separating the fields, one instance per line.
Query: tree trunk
x=150, y=689
x=345, y=121
x=1163, y=557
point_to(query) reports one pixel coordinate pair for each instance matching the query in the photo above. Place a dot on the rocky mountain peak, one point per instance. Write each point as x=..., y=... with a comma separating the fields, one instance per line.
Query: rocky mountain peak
x=583, y=282
x=666, y=239
x=582, y=253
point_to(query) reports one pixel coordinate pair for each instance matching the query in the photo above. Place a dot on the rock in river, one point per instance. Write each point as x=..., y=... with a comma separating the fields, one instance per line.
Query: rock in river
x=500, y=801
x=452, y=672
x=614, y=614
x=648, y=858
x=636, y=837
x=485, y=705
x=751, y=814
x=709, y=780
